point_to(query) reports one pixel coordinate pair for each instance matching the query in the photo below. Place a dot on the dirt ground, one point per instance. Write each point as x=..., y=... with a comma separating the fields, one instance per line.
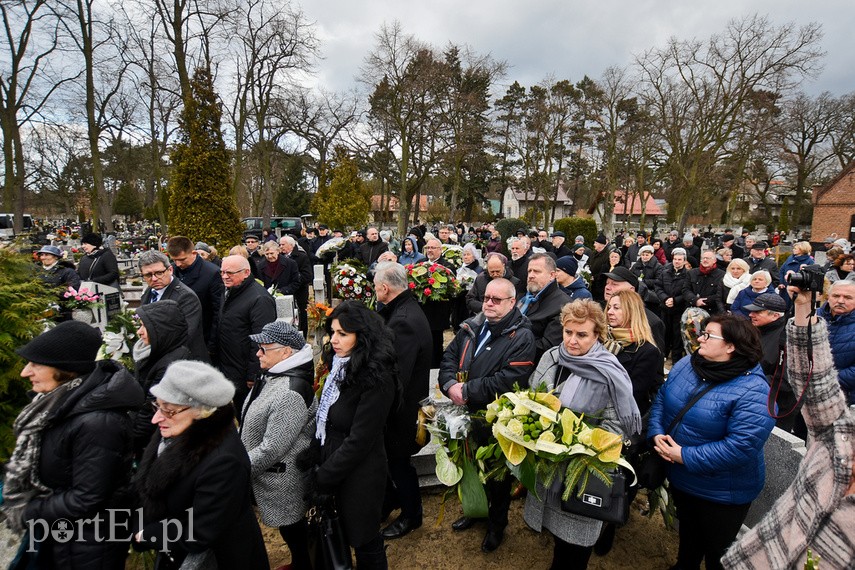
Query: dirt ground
x=644, y=543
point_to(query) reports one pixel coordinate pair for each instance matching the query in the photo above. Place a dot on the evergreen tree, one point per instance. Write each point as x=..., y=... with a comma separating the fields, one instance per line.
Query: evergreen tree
x=127, y=201
x=201, y=204
x=293, y=197
x=346, y=201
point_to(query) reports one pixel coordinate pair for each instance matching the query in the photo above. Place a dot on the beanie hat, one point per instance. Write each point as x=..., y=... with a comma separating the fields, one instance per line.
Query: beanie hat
x=195, y=384
x=93, y=239
x=645, y=248
x=601, y=239
x=280, y=332
x=200, y=245
x=70, y=346
x=568, y=265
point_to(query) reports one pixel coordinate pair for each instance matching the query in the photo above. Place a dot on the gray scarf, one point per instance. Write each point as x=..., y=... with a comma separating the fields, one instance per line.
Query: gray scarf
x=22, y=471
x=600, y=366
x=329, y=395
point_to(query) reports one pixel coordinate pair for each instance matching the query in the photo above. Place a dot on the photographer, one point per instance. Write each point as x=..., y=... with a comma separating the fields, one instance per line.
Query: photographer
x=839, y=314
x=816, y=511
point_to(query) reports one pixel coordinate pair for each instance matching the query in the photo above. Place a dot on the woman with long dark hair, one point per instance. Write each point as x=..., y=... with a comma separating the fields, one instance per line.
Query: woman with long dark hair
x=355, y=402
x=715, y=453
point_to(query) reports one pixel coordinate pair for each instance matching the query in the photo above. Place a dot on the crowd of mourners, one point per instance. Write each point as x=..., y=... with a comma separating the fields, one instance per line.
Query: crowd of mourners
x=230, y=418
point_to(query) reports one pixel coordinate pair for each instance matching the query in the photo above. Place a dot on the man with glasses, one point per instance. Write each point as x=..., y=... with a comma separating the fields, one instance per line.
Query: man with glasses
x=158, y=275
x=493, y=350
x=252, y=248
x=202, y=276
x=247, y=307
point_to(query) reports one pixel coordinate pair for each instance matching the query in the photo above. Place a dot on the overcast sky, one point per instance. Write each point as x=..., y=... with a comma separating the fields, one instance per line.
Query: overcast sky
x=567, y=39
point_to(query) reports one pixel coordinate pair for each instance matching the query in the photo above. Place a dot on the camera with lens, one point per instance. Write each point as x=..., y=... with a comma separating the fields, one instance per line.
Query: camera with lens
x=810, y=278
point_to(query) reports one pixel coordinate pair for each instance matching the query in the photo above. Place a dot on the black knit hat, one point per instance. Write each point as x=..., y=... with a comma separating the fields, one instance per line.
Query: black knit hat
x=70, y=346
x=93, y=239
x=601, y=239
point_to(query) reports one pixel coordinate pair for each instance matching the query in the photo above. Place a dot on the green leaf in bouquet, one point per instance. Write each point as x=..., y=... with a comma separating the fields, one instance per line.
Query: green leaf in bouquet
x=471, y=492
x=485, y=451
x=419, y=270
x=526, y=473
x=447, y=472
x=440, y=278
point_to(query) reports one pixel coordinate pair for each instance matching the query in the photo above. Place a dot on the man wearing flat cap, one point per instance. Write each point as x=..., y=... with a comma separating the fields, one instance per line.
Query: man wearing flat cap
x=559, y=247
x=758, y=260
x=767, y=314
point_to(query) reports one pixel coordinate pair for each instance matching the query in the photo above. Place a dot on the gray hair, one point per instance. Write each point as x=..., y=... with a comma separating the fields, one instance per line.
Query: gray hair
x=392, y=274
x=270, y=245
x=151, y=257
x=765, y=275
x=841, y=283
x=289, y=239
x=547, y=261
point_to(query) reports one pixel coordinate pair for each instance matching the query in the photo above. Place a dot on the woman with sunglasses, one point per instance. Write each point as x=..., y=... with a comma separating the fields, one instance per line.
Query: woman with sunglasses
x=162, y=340
x=73, y=450
x=194, y=478
x=715, y=453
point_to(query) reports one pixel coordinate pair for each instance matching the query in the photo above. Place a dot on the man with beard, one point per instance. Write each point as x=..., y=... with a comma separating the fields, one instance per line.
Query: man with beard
x=542, y=304
x=520, y=254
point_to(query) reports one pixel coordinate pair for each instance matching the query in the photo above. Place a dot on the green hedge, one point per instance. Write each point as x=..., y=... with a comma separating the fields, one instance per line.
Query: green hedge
x=572, y=227
x=509, y=226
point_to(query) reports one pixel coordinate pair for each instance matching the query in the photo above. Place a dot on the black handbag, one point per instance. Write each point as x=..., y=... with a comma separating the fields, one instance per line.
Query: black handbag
x=328, y=545
x=652, y=469
x=608, y=503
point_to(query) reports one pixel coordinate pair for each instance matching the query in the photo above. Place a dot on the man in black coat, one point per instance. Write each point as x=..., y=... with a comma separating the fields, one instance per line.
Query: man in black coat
x=669, y=289
x=288, y=247
x=599, y=264
x=542, y=304
x=493, y=350
x=372, y=248
x=703, y=286
x=729, y=241
x=496, y=266
x=559, y=245
x=403, y=315
x=157, y=272
x=203, y=277
x=246, y=309
x=438, y=313
x=758, y=260
x=520, y=254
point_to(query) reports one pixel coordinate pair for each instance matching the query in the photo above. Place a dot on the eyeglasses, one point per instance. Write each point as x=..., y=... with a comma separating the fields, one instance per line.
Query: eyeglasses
x=495, y=300
x=169, y=414
x=266, y=350
x=432, y=247
x=235, y=272
x=155, y=274
x=706, y=336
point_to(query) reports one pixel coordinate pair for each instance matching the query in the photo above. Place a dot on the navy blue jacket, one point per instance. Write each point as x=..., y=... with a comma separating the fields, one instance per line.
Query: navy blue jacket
x=841, y=334
x=203, y=277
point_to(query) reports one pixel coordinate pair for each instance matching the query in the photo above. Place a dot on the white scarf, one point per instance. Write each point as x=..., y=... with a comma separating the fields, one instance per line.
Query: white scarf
x=330, y=395
x=736, y=285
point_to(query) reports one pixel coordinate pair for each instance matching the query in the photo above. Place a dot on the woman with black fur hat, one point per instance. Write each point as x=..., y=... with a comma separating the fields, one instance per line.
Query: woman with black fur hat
x=73, y=450
x=194, y=478
x=99, y=264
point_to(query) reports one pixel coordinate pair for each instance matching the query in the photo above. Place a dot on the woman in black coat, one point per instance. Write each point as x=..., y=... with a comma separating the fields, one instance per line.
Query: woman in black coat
x=194, y=478
x=72, y=458
x=99, y=264
x=355, y=402
x=163, y=340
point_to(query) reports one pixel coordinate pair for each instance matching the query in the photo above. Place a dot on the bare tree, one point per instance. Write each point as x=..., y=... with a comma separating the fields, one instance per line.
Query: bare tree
x=272, y=43
x=698, y=93
x=27, y=82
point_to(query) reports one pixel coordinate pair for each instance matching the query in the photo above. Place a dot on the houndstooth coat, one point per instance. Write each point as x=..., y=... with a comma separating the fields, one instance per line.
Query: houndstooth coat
x=813, y=512
x=276, y=427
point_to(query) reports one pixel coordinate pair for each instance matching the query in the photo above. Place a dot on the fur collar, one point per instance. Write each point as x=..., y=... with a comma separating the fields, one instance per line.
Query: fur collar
x=158, y=474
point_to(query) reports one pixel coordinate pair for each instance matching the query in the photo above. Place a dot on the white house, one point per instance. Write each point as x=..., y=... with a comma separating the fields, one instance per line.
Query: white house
x=517, y=202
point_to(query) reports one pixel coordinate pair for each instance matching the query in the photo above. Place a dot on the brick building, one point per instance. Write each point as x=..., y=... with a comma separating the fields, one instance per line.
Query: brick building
x=834, y=207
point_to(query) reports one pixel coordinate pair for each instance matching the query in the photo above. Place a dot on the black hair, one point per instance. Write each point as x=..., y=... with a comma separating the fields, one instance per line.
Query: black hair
x=741, y=333
x=374, y=352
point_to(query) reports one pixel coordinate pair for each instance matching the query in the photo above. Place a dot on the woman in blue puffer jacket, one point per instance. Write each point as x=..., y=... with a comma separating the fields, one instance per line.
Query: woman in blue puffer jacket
x=410, y=252
x=715, y=453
